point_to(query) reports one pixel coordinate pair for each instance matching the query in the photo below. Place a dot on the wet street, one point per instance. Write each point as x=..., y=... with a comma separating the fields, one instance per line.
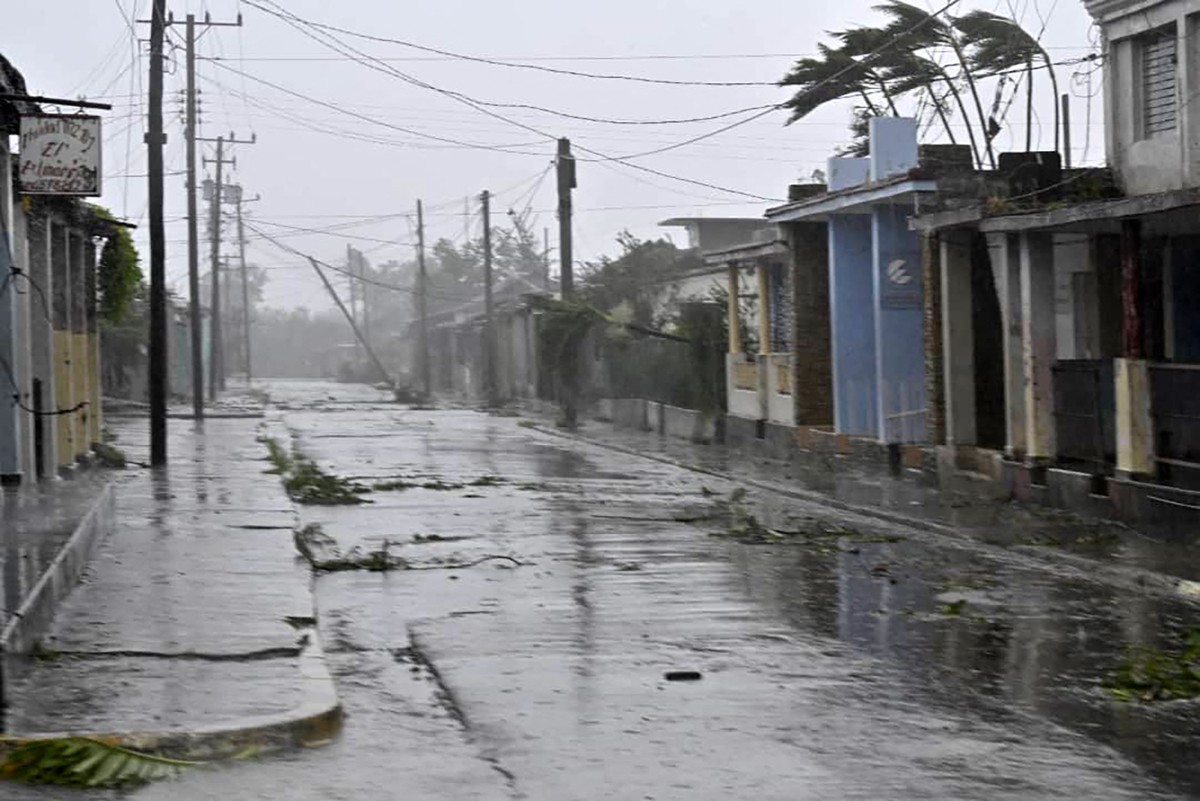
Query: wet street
x=579, y=623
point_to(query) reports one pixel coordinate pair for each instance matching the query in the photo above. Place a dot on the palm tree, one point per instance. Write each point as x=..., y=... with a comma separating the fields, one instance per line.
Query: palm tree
x=999, y=45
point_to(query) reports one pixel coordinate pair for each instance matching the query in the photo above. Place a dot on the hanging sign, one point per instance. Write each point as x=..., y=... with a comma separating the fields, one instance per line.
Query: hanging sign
x=60, y=155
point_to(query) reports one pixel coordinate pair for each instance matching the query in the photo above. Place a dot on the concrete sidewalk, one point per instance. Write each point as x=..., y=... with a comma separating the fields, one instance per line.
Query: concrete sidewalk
x=193, y=629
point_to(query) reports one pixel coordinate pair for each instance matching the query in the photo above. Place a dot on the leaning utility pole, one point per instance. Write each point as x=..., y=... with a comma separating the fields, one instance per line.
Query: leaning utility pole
x=489, y=345
x=197, y=335
x=245, y=291
x=353, y=296
x=353, y=325
x=216, y=367
x=565, y=164
x=158, y=254
x=422, y=303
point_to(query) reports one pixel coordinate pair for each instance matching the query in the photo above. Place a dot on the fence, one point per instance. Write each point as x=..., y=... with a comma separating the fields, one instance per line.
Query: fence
x=1085, y=413
x=1175, y=407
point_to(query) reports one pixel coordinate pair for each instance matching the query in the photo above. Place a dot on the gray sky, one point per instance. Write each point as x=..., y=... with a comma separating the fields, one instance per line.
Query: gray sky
x=312, y=178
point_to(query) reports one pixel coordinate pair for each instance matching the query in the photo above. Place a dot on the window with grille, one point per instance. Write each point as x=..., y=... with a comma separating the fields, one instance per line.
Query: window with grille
x=1159, y=81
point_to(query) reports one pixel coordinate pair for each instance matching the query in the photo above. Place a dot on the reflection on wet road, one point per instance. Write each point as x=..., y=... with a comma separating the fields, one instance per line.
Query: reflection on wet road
x=874, y=664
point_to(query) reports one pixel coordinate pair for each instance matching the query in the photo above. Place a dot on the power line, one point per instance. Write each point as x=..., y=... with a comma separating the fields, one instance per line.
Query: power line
x=514, y=65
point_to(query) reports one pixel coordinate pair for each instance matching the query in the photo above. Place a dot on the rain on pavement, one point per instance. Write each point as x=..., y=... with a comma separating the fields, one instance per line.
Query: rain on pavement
x=876, y=664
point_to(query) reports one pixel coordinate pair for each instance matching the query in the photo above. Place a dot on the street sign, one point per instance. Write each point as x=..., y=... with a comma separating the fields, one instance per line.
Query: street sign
x=60, y=155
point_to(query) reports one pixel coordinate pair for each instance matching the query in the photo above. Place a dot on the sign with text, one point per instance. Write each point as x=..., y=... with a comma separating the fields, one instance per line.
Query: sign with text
x=60, y=155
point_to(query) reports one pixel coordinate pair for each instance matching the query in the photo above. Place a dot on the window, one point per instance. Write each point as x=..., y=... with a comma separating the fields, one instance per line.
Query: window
x=1159, y=81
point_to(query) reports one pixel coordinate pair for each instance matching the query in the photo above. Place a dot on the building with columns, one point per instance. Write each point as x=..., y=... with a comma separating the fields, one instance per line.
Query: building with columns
x=1097, y=277
x=50, y=396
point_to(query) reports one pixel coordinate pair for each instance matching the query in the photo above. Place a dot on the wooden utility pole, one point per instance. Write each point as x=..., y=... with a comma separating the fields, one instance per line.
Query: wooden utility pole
x=423, y=303
x=565, y=164
x=245, y=291
x=216, y=366
x=197, y=335
x=197, y=345
x=491, y=391
x=158, y=286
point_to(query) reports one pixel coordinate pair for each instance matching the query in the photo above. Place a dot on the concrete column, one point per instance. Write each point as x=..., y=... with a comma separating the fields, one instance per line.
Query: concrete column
x=64, y=393
x=958, y=338
x=762, y=272
x=10, y=460
x=92, y=325
x=42, y=339
x=1039, y=346
x=812, y=357
x=1004, y=251
x=79, y=346
x=25, y=300
x=735, y=314
x=1135, y=426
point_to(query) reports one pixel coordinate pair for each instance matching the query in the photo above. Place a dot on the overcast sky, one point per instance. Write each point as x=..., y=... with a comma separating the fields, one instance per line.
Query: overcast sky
x=354, y=171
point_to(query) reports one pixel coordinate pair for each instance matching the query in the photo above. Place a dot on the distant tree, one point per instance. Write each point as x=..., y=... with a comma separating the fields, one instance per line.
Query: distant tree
x=632, y=283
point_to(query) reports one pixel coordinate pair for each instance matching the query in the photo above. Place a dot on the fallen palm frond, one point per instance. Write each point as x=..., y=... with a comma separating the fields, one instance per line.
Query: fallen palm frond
x=86, y=762
x=323, y=556
x=1148, y=674
x=307, y=483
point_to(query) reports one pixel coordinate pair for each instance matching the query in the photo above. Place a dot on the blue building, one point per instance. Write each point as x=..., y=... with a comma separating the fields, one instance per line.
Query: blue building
x=875, y=283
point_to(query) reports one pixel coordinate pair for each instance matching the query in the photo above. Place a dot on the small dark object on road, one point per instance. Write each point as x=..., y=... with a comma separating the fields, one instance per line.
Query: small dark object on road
x=683, y=675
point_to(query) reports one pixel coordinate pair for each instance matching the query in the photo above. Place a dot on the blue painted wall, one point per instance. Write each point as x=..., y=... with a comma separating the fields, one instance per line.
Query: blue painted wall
x=852, y=309
x=899, y=325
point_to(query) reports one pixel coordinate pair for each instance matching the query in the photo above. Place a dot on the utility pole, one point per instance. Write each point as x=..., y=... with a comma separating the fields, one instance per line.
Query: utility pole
x=422, y=303
x=197, y=341
x=193, y=242
x=353, y=298
x=565, y=164
x=158, y=286
x=353, y=326
x=489, y=344
x=245, y=292
x=216, y=367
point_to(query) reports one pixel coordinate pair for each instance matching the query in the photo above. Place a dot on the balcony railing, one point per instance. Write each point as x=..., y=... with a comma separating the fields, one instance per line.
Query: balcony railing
x=1085, y=413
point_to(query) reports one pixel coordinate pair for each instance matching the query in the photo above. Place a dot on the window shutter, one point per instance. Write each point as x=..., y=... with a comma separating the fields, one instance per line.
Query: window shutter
x=1159, y=81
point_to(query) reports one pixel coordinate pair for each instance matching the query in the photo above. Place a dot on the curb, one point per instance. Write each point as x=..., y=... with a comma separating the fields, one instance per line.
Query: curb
x=314, y=722
x=1128, y=578
x=34, y=616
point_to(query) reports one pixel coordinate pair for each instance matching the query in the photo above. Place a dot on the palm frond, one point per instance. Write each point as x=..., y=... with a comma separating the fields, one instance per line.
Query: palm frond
x=85, y=762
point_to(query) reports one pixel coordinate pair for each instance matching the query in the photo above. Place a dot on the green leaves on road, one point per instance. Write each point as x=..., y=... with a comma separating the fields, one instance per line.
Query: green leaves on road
x=87, y=762
x=1148, y=674
x=306, y=483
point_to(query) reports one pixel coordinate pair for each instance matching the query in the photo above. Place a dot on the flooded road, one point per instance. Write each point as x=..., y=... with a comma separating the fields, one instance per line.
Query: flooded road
x=558, y=589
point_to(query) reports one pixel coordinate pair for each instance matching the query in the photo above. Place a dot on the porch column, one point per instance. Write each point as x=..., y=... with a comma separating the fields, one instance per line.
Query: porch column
x=1005, y=255
x=762, y=272
x=79, y=347
x=812, y=355
x=935, y=370
x=92, y=338
x=42, y=339
x=958, y=338
x=1039, y=342
x=735, y=314
x=64, y=394
x=1131, y=373
x=10, y=460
